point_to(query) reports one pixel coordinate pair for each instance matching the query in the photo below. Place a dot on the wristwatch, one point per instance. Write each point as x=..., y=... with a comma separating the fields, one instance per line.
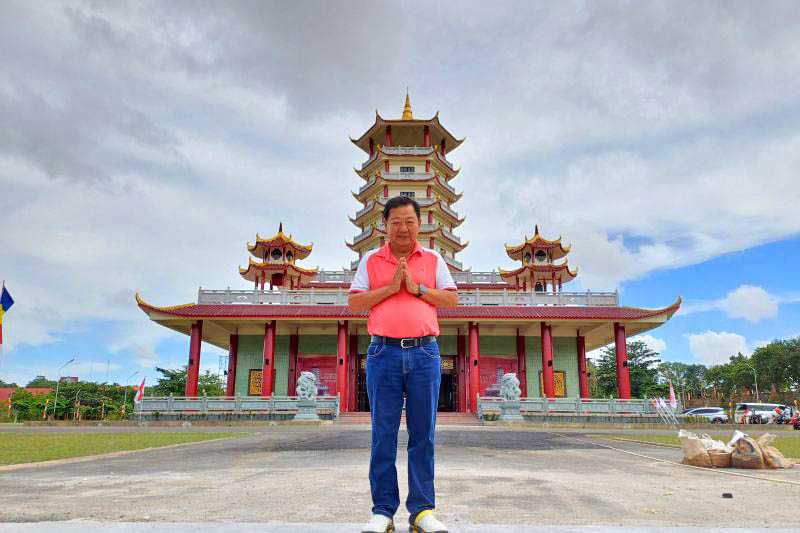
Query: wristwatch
x=422, y=290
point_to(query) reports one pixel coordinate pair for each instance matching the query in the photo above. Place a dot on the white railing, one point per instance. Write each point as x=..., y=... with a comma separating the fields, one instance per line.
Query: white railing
x=172, y=405
x=406, y=150
x=410, y=176
x=473, y=297
x=573, y=406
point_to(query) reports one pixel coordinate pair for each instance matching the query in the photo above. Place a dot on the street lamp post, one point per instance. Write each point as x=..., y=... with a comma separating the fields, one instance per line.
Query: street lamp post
x=58, y=382
x=755, y=378
x=125, y=396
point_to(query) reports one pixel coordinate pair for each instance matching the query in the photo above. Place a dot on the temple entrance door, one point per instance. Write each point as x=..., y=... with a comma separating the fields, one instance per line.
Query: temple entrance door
x=448, y=390
x=362, y=400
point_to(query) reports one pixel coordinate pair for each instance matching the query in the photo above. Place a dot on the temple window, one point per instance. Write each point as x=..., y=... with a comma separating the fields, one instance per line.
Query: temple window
x=289, y=256
x=276, y=254
x=407, y=194
x=539, y=287
x=527, y=257
x=541, y=257
x=407, y=169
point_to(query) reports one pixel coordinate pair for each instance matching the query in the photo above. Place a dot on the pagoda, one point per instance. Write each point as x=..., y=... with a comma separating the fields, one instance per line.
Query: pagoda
x=408, y=157
x=539, y=270
x=275, y=262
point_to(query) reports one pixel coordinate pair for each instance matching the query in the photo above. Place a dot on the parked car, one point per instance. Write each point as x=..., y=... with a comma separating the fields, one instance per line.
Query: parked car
x=715, y=415
x=762, y=413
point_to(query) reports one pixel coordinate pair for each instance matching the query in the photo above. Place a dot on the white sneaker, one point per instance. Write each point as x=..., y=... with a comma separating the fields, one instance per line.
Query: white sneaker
x=379, y=524
x=425, y=522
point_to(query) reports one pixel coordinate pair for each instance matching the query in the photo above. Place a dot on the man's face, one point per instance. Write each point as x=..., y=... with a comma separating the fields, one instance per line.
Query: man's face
x=402, y=226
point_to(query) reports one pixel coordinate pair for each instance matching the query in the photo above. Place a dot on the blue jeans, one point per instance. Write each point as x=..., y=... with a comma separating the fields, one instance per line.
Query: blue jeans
x=393, y=371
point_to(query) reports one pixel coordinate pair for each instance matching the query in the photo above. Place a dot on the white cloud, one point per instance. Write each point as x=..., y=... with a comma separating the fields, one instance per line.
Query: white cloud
x=747, y=301
x=654, y=343
x=716, y=347
x=751, y=303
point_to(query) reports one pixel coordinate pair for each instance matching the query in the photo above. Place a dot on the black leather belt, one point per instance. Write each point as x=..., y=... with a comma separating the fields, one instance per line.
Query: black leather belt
x=408, y=342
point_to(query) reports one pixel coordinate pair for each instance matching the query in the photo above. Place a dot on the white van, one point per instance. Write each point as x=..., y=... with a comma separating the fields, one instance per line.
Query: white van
x=765, y=410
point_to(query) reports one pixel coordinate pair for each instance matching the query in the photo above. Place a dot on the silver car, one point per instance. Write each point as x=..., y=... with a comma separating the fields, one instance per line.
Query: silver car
x=715, y=415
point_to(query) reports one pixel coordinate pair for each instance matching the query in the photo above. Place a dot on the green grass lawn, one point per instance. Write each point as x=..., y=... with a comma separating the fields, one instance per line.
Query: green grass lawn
x=788, y=445
x=34, y=447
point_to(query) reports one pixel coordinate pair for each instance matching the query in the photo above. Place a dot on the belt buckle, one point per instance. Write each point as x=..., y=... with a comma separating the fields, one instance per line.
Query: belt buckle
x=403, y=342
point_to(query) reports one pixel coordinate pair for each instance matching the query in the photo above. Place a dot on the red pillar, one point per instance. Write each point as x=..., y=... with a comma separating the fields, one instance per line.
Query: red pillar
x=426, y=136
x=428, y=169
x=474, y=366
x=233, y=353
x=268, y=359
x=193, y=370
x=430, y=216
x=294, y=343
x=352, y=368
x=386, y=187
x=583, y=378
x=463, y=382
x=386, y=165
x=522, y=372
x=371, y=147
x=623, y=373
x=341, y=365
x=388, y=136
x=431, y=243
x=547, y=361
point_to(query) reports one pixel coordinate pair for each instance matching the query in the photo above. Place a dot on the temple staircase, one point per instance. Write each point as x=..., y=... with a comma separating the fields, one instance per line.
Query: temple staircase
x=442, y=419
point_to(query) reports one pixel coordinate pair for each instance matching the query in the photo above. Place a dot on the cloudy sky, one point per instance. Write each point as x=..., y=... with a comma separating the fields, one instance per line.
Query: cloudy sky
x=143, y=144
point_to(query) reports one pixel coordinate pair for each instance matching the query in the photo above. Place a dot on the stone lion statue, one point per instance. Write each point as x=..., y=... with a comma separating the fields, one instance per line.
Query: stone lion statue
x=509, y=387
x=307, y=386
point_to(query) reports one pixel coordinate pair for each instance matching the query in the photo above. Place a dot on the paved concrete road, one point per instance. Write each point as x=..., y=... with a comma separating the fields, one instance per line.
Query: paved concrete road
x=302, y=475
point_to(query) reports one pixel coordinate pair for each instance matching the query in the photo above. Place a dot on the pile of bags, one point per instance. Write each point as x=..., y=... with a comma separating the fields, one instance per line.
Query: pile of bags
x=742, y=451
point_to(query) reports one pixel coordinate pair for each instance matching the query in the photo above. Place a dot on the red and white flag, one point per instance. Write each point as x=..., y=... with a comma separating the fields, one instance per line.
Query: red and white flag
x=672, y=401
x=139, y=393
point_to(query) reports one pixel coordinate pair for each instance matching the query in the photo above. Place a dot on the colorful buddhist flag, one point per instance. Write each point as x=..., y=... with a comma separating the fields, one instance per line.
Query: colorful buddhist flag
x=6, y=301
x=139, y=392
x=672, y=401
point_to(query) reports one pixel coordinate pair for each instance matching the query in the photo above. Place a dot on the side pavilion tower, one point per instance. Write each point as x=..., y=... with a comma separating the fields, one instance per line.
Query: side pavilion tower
x=408, y=157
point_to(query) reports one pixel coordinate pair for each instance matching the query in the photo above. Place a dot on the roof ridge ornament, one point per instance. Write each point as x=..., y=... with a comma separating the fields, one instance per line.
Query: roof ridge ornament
x=407, y=114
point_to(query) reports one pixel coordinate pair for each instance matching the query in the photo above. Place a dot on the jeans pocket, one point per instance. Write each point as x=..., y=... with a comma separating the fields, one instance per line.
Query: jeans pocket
x=431, y=349
x=374, y=349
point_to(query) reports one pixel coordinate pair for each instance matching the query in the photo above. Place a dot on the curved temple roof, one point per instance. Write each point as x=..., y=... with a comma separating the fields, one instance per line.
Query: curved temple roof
x=279, y=240
x=557, y=249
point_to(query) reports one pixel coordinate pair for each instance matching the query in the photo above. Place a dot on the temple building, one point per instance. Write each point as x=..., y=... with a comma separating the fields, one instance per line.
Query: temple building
x=296, y=319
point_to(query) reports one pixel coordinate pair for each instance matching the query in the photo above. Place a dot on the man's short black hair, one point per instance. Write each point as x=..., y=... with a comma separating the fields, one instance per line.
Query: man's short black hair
x=399, y=201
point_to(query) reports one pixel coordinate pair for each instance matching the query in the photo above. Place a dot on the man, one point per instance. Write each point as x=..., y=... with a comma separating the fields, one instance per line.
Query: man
x=401, y=284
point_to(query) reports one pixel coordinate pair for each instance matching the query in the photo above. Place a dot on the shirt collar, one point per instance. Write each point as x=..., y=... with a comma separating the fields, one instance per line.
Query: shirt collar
x=386, y=251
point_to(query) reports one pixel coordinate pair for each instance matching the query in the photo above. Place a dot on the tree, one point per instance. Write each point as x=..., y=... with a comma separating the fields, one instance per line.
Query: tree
x=174, y=382
x=7, y=384
x=642, y=365
x=41, y=381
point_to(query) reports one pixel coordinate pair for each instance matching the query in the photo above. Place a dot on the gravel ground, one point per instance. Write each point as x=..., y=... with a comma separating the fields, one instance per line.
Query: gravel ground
x=485, y=475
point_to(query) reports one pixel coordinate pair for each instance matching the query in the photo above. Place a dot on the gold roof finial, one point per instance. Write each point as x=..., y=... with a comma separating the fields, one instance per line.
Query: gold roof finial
x=407, y=115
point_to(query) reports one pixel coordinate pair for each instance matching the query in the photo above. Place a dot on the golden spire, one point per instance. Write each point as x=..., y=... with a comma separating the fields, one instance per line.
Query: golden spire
x=407, y=108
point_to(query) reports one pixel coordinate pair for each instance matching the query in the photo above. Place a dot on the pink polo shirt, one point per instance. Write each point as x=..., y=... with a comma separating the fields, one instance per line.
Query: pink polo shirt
x=402, y=314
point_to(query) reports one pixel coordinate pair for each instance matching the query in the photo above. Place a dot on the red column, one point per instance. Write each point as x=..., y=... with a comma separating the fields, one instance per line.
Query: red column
x=386, y=165
x=268, y=358
x=430, y=216
x=623, y=373
x=431, y=243
x=193, y=370
x=463, y=382
x=294, y=343
x=233, y=353
x=371, y=152
x=341, y=365
x=474, y=366
x=352, y=368
x=583, y=378
x=263, y=279
x=426, y=136
x=428, y=169
x=386, y=187
x=522, y=371
x=388, y=136
x=547, y=361
x=444, y=146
